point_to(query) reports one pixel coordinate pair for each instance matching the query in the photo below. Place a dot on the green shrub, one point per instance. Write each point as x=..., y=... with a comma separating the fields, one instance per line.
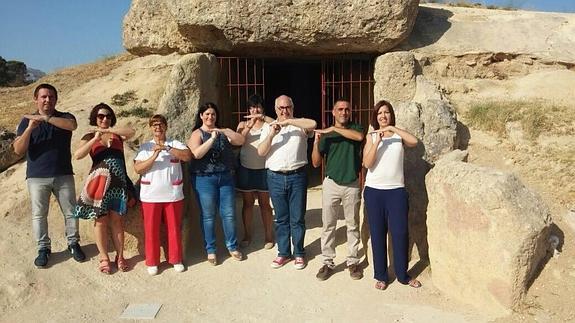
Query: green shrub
x=137, y=111
x=124, y=98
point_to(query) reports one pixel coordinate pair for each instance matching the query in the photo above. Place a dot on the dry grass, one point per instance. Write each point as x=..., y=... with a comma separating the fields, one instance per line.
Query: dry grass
x=18, y=101
x=535, y=117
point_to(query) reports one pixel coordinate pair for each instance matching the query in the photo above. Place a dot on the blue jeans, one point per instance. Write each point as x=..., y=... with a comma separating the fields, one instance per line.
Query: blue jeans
x=289, y=196
x=388, y=210
x=213, y=191
x=64, y=190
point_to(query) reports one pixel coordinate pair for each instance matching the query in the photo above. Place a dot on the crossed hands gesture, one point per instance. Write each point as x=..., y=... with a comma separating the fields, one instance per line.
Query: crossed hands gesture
x=35, y=119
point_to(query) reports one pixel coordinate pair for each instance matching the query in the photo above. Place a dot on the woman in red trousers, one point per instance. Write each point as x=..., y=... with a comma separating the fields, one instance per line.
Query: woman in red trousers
x=159, y=163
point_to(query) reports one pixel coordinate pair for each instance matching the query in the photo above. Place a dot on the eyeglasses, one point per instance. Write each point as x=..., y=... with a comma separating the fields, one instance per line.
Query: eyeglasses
x=284, y=108
x=101, y=116
x=155, y=125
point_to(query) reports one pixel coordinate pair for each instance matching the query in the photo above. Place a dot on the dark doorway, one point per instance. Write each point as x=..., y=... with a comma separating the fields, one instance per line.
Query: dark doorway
x=300, y=80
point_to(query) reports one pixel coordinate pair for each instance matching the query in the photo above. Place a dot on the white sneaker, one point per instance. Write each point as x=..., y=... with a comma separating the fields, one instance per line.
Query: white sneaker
x=153, y=270
x=179, y=268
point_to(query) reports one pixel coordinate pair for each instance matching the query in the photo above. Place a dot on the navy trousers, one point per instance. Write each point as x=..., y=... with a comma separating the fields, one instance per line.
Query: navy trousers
x=387, y=210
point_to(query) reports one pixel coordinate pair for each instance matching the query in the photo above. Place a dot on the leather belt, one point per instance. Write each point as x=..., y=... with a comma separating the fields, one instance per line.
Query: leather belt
x=289, y=172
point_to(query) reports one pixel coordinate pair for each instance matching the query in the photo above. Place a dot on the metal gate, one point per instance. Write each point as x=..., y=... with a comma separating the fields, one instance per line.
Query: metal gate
x=241, y=77
x=350, y=79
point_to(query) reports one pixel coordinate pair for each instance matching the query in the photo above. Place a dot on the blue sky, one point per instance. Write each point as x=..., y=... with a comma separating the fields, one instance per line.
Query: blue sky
x=51, y=34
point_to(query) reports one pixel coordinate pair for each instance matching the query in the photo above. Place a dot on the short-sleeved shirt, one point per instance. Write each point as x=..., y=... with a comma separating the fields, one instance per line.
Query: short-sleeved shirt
x=288, y=149
x=387, y=171
x=49, y=152
x=249, y=157
x=342, y=155
x=164, y=181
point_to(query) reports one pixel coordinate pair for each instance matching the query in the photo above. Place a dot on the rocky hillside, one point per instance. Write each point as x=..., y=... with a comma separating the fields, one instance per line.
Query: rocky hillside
x=12, y=73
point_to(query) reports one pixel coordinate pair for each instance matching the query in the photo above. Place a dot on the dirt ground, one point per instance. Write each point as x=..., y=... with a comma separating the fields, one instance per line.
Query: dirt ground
x=232, y=291
x=251, y=290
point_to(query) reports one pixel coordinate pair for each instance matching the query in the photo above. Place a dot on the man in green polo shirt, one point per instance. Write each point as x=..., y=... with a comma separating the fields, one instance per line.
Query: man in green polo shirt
x=341, y=146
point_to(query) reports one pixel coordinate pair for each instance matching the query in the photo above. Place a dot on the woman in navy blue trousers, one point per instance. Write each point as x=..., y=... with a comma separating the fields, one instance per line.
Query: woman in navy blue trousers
x=385, y=196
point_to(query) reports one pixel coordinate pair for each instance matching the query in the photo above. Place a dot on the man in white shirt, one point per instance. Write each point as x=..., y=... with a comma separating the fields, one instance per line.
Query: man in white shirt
x=284, y=144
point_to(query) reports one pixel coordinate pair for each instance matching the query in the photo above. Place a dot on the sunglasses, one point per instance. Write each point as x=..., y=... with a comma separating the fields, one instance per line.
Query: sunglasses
x=101, y=116
x=155, y=125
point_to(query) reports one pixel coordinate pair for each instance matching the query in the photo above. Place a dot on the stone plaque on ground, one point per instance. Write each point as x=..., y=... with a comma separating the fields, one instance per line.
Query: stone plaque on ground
x=141, y=311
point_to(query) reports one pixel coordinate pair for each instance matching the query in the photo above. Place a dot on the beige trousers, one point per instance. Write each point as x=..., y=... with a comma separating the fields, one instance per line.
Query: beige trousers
x=334, y=195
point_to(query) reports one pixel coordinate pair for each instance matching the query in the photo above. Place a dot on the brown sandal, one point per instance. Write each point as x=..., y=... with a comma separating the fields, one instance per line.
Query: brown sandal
x=104, y=266
x=236, y=255
x=414, y=283
x=381, y=285
x=122, y=264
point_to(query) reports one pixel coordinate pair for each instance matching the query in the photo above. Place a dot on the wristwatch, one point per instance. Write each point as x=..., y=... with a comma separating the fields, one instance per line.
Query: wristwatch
x=168, y=148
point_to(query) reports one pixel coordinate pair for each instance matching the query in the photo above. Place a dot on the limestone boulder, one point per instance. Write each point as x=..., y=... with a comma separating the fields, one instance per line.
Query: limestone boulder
x=487, y=234
x=426, y=90
x=395, y=77
x=192, y=82
x=433, y=122
x=270, y=28
x=7, y=155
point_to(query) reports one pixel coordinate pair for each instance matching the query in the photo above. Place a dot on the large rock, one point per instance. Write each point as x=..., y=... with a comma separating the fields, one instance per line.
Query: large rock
x=7, y=155
x=453, y=31
x=487, y=234
x=270, y=28
x=192, y=82
x=433, y=122
x=395, y=77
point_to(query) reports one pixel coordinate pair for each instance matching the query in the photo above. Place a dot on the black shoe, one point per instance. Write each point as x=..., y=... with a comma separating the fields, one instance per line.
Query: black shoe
x=42, y=260
x=77, y=252
x=355, y=272
x=324, y=272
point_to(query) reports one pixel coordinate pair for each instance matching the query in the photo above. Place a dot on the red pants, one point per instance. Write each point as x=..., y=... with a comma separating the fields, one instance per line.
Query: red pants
x=172, y=212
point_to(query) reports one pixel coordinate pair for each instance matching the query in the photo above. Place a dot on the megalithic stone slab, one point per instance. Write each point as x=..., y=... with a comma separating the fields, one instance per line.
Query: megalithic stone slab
x=267, y=28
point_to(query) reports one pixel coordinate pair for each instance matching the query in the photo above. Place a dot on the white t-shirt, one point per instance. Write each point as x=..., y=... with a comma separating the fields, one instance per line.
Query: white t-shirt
x=387, y=171
x=288, y=150
x=164, y=181
x=249, y=157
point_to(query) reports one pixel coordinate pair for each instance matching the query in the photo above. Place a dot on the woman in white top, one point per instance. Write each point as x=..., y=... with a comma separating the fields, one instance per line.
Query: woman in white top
x=251, y=175
x=159, y=163
x=386, y=199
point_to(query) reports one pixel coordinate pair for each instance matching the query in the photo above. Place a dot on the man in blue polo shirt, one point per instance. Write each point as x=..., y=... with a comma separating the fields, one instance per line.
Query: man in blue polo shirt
x=45, y=139
x=341, y=146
